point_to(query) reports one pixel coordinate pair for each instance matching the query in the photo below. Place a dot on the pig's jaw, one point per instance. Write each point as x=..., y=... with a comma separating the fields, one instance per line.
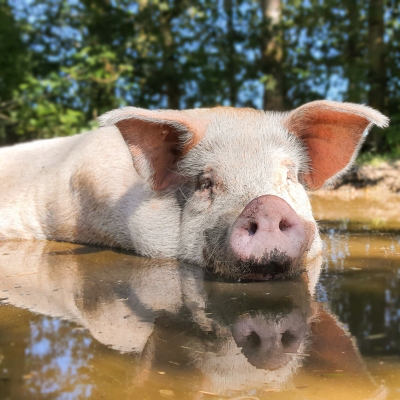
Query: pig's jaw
x=276, y=265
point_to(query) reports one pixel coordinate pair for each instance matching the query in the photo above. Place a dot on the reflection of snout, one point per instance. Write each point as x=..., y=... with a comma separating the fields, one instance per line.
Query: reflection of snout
x=269, y=234
x=270, y=343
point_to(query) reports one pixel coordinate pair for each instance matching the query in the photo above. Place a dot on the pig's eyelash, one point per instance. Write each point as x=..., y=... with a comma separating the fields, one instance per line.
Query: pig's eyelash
x=177, y=172
x=180, y=171
x=206, y=184
x=183, y=194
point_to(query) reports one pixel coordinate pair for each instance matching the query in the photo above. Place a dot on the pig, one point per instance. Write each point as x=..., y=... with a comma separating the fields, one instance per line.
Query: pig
x=224, y=188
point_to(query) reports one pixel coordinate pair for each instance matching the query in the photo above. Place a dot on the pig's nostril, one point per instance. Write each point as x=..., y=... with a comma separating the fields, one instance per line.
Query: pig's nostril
x=253, y=339
x=284, y=225
x=288, y=338
x=252, y=228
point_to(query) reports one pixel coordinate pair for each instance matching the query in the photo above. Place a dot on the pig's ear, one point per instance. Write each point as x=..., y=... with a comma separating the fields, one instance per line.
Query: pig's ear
x=158, y=139
x=332, y=133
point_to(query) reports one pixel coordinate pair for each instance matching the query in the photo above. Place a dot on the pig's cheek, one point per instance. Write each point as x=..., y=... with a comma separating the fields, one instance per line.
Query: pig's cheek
x=204, y=197
x=299, y=200
x=313, y=262
x=287, y=190
x=316, y=247
x=199, y=205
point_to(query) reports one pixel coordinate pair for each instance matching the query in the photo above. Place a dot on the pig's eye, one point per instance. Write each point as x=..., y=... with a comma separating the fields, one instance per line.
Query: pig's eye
x=205, y=184
x=208, y=184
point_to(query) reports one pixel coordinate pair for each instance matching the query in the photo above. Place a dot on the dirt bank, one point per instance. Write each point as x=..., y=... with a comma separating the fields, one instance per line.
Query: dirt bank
x=381, y=179
x=368, y=193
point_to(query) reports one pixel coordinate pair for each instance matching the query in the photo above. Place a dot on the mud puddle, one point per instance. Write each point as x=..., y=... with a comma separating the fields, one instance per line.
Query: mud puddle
x=87, y=323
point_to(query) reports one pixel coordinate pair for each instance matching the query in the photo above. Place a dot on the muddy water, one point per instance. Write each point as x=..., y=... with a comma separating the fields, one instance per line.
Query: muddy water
x=88, y=323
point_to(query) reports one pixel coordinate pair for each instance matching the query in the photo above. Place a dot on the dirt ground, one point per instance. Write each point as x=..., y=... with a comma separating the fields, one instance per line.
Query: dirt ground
x=382, y=179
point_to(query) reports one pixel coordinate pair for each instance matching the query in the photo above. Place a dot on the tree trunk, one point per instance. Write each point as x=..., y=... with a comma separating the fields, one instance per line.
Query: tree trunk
x=171, y=74
x=272, y=56
x=231, y=54
x=377, y=70
x=354, y=68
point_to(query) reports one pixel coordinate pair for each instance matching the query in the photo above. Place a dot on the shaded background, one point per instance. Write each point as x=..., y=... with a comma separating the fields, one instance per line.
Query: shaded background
x=65, y=62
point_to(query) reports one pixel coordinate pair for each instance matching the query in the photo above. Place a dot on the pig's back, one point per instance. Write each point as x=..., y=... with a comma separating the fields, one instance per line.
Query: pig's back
x=47, y=186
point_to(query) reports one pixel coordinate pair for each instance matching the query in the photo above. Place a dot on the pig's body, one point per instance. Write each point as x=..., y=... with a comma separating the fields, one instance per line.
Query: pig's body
x=84, y=189
x=220, y=187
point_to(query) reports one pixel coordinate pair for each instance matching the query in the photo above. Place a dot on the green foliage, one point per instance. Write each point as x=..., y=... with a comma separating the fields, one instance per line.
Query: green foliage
x=63, y=63
x=45, y=115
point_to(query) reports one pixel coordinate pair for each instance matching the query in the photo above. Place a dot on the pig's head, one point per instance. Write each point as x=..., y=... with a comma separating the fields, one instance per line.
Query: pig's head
x=240, y=177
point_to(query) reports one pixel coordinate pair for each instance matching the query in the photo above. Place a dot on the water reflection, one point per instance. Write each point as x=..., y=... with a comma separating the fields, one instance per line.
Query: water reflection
x=182, y=332
x=57, y=369
x=361, y=279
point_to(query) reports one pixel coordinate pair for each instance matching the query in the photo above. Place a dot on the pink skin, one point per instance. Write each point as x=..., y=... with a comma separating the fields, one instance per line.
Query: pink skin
x=266, y=224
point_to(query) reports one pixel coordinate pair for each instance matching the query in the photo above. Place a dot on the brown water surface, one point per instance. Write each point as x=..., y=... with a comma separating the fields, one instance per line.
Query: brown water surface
x=78, y=322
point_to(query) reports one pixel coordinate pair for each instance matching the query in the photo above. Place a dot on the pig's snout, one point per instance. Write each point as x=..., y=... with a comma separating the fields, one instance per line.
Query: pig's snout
x=268, y=343
x=269, y=235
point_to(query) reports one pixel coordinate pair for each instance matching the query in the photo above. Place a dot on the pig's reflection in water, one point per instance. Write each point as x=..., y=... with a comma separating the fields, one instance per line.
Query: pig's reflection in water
x=260, y=333
x=239, y=333
x=235, y=334
x=269, y=341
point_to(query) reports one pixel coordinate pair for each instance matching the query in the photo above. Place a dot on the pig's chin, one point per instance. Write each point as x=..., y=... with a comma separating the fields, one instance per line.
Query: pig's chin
x=273, y=266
